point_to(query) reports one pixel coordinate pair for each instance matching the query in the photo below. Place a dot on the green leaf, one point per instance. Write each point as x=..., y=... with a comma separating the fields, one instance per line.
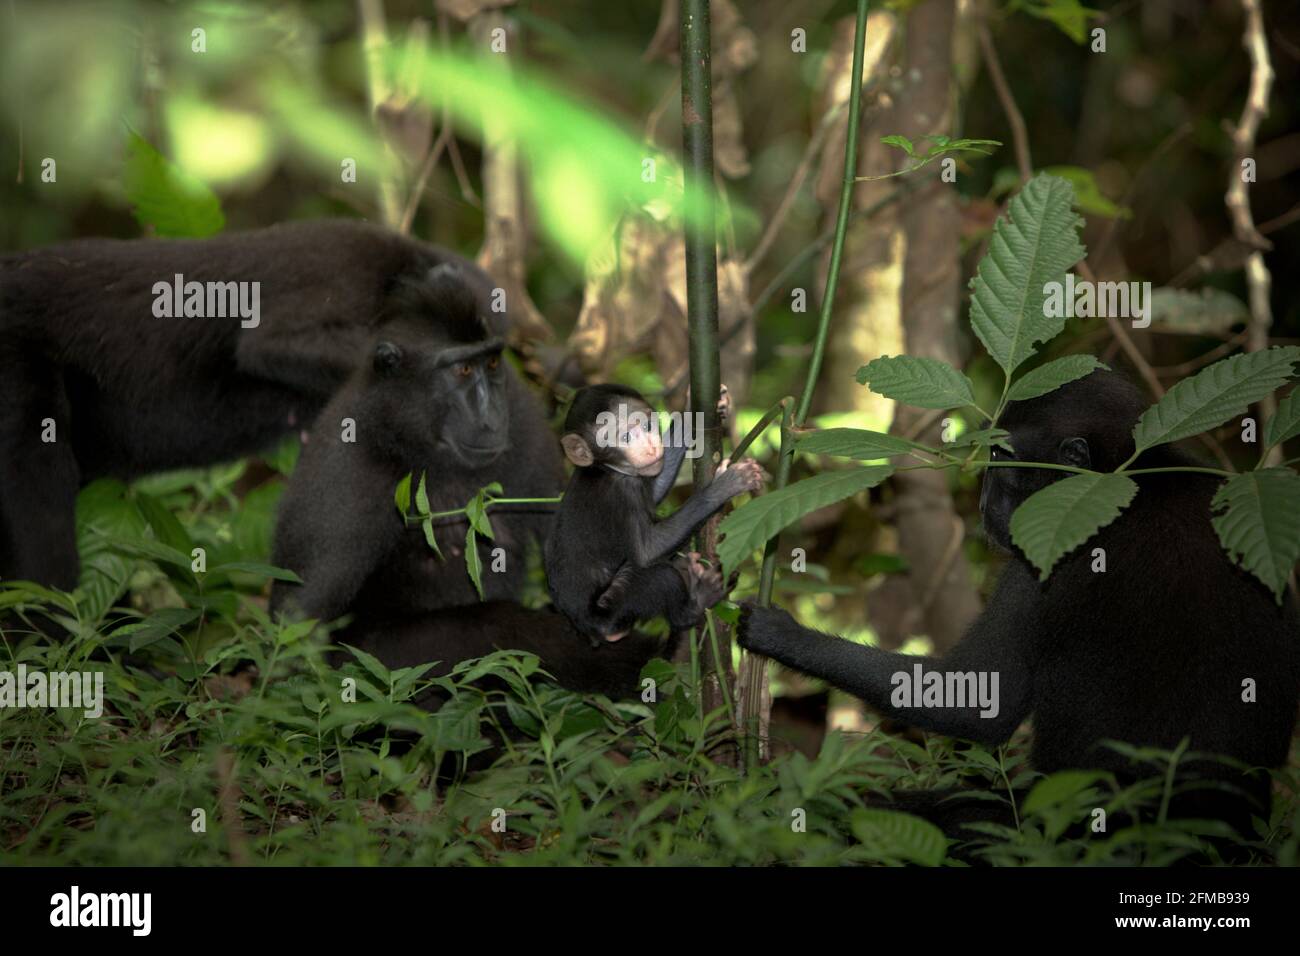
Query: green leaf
x=1260, y=528
x=476, y=510
x=984, y=438
x=1051, y=376
x=254, y=567
x=902, y=142
x=923, y=382
x=854, y=443
x=1215, y=394
x=753, y=523
x=1070, y=16
x=1057, y=788
x=1034, y=244
x=402, y=496
x=165, y=197
x=430, y=538
x=473, y=563
x=372, y=664
x=899, y=836
x=1285, y=423
x=158, y=625
x=1207, y=311
x=1053, y=522
x=422, y=497
x=1088, y=196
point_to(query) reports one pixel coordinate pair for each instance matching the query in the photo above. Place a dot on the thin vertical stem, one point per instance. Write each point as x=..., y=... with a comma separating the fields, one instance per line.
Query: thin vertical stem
x=767, y=577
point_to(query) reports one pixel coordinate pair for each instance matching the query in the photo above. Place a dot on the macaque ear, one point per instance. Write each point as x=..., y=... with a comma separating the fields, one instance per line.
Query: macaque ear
x=577, y=450
x=387, y=356
x=1075, y=451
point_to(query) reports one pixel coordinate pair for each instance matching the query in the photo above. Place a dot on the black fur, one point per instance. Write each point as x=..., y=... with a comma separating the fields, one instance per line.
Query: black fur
x=437, y=398
x=608, y=560
x=1150, y=652
x=132, y=393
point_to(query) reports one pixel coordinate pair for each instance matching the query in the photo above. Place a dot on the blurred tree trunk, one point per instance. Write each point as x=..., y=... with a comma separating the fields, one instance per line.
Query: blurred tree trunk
x=902, y=294
x=930, y=532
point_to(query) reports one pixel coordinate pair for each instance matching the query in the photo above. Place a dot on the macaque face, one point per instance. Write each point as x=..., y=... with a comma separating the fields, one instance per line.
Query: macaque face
x=630, y=431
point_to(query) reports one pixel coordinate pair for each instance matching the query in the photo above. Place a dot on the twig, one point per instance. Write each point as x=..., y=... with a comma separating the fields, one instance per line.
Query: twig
x=1237, y=199
x=1019, y=134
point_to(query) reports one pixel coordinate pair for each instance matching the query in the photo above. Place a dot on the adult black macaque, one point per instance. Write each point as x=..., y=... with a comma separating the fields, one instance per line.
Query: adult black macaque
x=1153, y=650
x=128, y=392
x=607, y=558
x=436, y=397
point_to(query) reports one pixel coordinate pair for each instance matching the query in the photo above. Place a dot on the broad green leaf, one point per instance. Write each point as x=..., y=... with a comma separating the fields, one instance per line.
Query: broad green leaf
x=1285, y=423
x=1260, y=526
x=1050, y=377
x=1034, y=244
x=1051, y=523
x=912, y=380
x=1055, y=789
x=402, y=496
x=165, y=197
x=1205, y=311
x=1215, y=394
x=899, y=836
x=473, y=563
x=753, y=523
x=854, y=443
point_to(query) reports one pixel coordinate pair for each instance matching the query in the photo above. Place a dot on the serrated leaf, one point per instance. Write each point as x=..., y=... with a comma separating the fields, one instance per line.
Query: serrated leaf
x=1051, y=376
x=854, y=443
x=473, y=563
x=1056, y=788
x=402, y=496
x=430, y=538
x=1215, y=394
x=1034, y=244
x=1051, y=523
x=162, y=195
x=753, y=523
x=899, y=836
x=1260, y=528
x=913, y=380
x=1285, y=423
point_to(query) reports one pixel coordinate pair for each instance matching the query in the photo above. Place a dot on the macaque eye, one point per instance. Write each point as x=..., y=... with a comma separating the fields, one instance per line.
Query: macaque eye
x=494, y=361
x=464, y=370
x=627, y=438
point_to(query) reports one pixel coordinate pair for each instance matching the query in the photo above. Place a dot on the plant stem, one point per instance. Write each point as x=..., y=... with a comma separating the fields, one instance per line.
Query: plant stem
x=767, y=578
x=772, y=414
x=701, y=273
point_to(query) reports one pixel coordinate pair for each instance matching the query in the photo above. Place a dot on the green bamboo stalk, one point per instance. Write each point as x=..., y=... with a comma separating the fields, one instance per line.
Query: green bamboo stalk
x=767, y=578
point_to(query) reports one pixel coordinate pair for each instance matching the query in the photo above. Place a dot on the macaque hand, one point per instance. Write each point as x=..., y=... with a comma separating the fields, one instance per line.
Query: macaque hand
x=742, y=476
